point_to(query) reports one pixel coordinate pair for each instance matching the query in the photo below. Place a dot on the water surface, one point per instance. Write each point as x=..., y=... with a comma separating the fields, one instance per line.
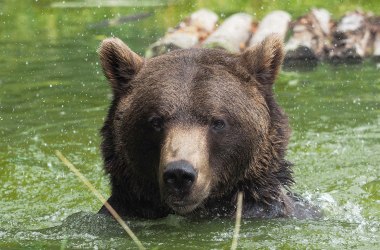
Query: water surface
x=53, y=97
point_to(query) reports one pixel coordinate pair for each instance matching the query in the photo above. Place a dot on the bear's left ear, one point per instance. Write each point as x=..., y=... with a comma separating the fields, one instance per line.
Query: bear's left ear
x=264, y=60
x=120, y=64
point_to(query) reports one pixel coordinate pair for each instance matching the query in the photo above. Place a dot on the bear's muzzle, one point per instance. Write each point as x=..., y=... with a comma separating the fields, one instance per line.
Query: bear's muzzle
x=184, y=168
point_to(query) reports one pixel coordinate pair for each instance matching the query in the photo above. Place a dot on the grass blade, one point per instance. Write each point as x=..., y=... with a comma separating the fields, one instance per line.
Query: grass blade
x=239, y=209
x=100, y=197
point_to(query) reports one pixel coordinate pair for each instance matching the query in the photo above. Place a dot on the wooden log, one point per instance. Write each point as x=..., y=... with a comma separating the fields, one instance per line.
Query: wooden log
x=233, y=34
x=310, y=33
x=351, y=39
x=374, y=27
x=204, y=20
x=376, y=47
x=275, y=22
x=187, y=34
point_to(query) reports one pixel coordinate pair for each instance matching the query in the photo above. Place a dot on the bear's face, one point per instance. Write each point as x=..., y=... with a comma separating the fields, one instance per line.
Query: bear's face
x=192, y=122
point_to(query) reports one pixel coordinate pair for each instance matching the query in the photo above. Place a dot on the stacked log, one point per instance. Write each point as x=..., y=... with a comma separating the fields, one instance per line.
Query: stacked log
x=351, y=39
x=275, y=22
x=374, y=27
x=307, y=43
x=233, y=34
x=189, y=33
x=376, y=53
x=312, y=37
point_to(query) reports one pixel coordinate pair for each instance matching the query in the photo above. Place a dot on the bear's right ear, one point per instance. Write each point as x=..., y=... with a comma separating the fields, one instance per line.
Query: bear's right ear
x=120, y=64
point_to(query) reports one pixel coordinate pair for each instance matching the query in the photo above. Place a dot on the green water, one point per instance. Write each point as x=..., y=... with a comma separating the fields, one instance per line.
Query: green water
x=53, y=97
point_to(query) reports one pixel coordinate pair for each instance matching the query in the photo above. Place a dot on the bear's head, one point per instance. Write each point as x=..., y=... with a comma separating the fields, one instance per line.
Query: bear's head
x=194, y=125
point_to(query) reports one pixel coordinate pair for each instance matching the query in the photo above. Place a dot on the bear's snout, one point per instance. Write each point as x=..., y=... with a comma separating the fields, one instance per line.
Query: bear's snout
x=184, y=173
x=179, y=177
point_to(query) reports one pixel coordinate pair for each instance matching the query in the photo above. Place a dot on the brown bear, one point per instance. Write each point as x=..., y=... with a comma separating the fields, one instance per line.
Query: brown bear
x=188, y=130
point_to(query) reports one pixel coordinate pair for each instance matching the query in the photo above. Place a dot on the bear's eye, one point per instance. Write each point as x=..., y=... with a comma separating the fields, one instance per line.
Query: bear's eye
x=218, y=124
x=156, y=122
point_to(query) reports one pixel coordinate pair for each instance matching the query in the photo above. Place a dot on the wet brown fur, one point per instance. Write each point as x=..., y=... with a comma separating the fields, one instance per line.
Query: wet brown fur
x=190, y=88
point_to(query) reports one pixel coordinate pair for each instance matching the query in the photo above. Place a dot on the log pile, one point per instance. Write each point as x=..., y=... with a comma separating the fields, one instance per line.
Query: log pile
x=309, y=39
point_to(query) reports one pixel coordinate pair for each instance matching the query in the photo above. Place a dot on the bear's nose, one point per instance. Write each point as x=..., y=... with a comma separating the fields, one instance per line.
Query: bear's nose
x=179, y=176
